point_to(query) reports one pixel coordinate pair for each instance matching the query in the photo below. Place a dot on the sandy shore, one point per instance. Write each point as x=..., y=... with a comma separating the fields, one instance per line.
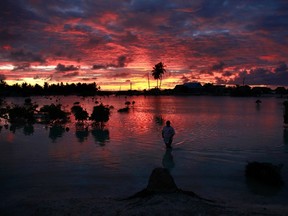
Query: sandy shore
x=160, y=204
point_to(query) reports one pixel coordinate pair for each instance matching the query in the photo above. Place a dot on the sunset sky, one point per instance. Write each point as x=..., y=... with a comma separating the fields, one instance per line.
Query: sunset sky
x=117, y=42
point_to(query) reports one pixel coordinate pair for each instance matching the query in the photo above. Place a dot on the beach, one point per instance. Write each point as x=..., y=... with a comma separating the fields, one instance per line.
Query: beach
x=160, y=204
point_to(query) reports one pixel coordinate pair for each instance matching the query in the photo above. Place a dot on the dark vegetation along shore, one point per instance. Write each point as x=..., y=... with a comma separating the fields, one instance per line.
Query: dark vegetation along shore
x=91, y=89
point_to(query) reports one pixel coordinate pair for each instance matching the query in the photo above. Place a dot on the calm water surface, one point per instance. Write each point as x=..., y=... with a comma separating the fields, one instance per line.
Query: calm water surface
x=215, y=137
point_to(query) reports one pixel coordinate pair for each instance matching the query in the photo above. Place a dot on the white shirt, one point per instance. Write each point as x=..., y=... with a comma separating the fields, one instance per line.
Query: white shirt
x=168, y=132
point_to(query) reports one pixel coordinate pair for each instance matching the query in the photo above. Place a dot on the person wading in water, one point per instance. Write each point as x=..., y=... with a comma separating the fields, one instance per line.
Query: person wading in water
x=167, y=134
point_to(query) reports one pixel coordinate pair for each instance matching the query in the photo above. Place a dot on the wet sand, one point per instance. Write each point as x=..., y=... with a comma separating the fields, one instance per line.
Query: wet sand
x=160, y=204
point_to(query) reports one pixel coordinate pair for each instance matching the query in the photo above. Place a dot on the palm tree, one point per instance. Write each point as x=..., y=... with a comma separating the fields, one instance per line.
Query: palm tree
x=158, y=71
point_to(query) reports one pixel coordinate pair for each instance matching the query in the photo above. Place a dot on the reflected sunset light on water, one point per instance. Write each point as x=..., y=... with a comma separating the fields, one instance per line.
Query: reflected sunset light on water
x=215, y=138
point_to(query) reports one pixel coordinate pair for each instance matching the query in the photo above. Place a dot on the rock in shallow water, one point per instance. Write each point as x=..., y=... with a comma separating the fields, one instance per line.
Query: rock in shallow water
x=161, y=181
x=264, y=173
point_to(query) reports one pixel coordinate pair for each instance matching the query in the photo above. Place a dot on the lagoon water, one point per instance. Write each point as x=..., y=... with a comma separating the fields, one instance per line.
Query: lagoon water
x=215, y=138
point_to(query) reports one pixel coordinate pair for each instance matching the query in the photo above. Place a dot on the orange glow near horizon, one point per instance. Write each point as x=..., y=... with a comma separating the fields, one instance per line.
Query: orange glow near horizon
x=137, y=82
x=115, y=44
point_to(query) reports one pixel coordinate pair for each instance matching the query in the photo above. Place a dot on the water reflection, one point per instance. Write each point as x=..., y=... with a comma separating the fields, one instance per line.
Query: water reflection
x=258, y=106
x=81, y=132
x=168, y=160
x=28, y=129
x=100, y=135
x=262, y=189
x=5, y=126
x=159, y=120
x=14, y=127
x=56, y=131
x=224, y=131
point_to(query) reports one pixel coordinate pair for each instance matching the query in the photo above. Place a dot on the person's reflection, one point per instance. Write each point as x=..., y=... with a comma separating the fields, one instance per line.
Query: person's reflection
x=28, y=129
x=258, y=106
x=168, y=161
x=81, y=132
x=56, y=131
x=100, y=135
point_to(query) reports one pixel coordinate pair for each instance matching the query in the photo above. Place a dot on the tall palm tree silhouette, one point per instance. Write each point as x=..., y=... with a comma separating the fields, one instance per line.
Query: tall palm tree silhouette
x=158, y=71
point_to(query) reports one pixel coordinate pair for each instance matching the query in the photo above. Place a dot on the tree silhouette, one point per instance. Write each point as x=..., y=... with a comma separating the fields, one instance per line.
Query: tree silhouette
x=79, y=113
x=100, y=114
x=54, y=113
x=158, y=71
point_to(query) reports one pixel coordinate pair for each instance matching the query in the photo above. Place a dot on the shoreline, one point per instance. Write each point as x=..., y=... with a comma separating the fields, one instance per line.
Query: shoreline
x=159, y=204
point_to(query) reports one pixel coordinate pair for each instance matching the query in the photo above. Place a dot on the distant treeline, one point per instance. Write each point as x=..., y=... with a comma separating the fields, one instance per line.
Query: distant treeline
x=241, y=91
x=25, y=89
x=91, y=89
x=213, y=90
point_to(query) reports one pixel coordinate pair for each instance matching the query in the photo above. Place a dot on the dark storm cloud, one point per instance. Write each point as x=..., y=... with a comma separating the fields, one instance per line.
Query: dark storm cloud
x=89, y=79
x=130, y=37
x=122, y=61
x=23, y=66
x=7, y=36
x=98, y=66
x=120, y=75
x=25, y=56
x=212, y=8
x=31, y=24
x=149, y=6
x=281, y=68
x=69, y=75
x=184, y=79
x=218, y=67
x=227, y=74
x=16, y=10
x=2, y=77
x=63, y=68
x=261, y=76
x=36, y=77
x=12, y=12
x=78, y=27
x=272, y=15
x=208, y=72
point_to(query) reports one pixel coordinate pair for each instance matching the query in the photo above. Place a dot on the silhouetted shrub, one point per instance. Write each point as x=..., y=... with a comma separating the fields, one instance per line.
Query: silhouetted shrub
x=20, y=114
x=79, y=113
x=3, y=112
x=100, y=114
x=28, y=101
x=54, y=112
